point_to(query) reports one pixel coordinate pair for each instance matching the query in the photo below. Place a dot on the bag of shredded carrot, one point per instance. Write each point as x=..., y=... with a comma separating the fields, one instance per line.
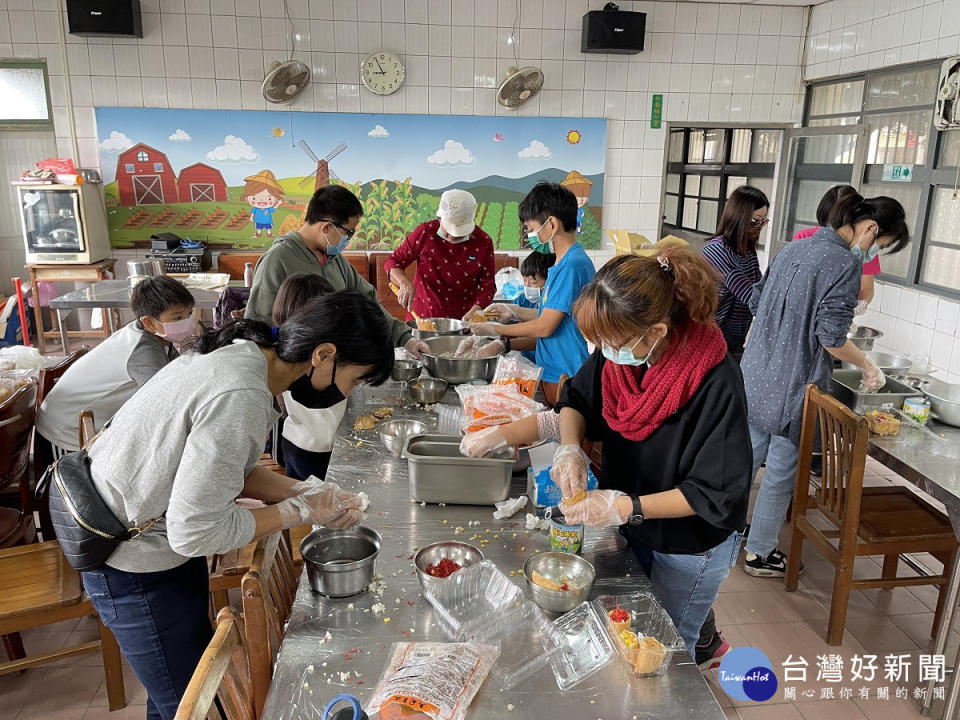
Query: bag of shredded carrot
x=514, y=368
x=487, y=405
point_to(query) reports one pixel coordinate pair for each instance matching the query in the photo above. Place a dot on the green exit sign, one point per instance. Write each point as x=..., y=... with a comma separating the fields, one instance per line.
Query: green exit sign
x=897, y=173
x=656, y=112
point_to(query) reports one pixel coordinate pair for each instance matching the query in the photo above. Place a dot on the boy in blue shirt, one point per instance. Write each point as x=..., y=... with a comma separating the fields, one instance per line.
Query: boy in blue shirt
x=534, y=269
x=549, y=214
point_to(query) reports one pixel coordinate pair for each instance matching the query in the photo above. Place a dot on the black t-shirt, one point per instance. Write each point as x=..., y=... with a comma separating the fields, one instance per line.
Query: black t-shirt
x=703, y=449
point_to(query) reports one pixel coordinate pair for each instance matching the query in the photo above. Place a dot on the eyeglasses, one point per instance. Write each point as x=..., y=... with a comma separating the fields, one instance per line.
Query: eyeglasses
x=758, y=222
x=349, y=232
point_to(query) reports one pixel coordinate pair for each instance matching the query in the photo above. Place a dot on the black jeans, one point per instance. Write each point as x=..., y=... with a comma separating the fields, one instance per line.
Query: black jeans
x=161, y=622
x=301, y=464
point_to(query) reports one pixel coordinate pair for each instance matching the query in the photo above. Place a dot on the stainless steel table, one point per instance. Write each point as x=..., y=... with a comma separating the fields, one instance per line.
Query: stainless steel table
x=932, y=463
x=112, y=294
x=611, y=694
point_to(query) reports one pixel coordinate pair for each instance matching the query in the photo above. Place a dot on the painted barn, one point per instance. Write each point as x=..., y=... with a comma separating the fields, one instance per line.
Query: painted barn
x=201, y=183
x=144, y=177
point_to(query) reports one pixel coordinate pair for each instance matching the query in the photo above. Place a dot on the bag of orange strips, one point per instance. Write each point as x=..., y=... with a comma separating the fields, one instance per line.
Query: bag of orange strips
x=488, y=405
x=514, y=368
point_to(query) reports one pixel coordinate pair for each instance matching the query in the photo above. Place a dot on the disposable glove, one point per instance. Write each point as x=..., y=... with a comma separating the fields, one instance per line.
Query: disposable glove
x=569, y=470
x=861, y=308
x=505, y=311
x=487, y=329
x=598, y=510
x=873, y=377
x=330, y=506
x=491, y=349
x=416, y=348
x=483, y=442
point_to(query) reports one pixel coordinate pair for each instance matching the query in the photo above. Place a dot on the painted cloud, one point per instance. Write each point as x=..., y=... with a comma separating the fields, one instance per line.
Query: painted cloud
x=452, y=154
x=117, y=142
x=234, y=150
x=379, y=131
x=535, y=151
x=180, y=136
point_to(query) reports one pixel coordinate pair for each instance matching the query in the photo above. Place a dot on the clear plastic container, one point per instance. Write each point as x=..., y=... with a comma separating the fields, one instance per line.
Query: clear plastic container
x=390, y=393
x=586, y=645
x=477, y=603
x=648, y=620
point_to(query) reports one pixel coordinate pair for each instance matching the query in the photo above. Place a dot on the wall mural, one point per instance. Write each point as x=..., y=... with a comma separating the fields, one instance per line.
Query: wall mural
x=239, y=178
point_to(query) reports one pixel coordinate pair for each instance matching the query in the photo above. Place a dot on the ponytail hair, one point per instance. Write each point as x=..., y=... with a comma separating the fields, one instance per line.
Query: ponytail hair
x=886, y=212
x=830, y=198
x=632, y=292
x=352, y=322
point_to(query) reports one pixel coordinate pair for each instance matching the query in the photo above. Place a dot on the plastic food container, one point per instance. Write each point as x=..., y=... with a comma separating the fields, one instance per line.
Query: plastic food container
x=648, y=620
x=390, y=393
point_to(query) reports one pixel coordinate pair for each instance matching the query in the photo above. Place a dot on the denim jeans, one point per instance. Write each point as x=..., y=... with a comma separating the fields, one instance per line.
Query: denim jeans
x=161, y=622
x=775, y=492
x=687, y=585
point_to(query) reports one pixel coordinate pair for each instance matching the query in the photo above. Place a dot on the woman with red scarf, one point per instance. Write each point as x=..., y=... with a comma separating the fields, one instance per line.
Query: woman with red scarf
x=668, y=403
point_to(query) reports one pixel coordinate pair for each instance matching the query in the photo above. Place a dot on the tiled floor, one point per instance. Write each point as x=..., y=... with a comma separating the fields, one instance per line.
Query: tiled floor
x=750, y=611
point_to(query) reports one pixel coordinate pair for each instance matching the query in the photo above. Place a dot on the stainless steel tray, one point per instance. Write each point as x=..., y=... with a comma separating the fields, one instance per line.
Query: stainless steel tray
x=440, y=474
x=845, y=387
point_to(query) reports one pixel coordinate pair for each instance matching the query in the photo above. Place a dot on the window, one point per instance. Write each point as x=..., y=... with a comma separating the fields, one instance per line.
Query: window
x=26, y=94
x=142, y=156
x=158, y=167
x=896, y=107
x=705, y=166
x=128, y=167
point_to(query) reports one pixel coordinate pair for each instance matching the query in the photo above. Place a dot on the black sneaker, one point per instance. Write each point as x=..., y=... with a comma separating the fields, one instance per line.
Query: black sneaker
x=709, y=656
x=816, y=466
x=773, y=565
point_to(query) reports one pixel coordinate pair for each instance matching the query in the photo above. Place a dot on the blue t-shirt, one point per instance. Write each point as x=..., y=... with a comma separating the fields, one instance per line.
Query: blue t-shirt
x=263, y=216
x=565, y=351
x=522, y=301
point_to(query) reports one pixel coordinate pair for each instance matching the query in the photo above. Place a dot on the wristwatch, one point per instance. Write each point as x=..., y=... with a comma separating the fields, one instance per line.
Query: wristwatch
x=506, y=343
x=636, y=515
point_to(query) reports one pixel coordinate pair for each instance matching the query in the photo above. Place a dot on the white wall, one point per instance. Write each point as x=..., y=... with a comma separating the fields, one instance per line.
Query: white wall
x=712, y=62
x=848, y=36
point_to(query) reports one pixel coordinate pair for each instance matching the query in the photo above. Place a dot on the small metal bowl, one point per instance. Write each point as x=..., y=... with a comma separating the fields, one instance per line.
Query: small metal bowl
x=340, y=563
x=560, y=567
x=913, y=381
x=394, y=433
x=464, y=554
x=427, y=391
x=406, y=370
x=864, y=337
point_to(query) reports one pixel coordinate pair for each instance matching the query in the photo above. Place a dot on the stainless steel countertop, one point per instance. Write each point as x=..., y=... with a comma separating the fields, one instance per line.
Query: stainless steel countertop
x=611, y=694
x=116, y=294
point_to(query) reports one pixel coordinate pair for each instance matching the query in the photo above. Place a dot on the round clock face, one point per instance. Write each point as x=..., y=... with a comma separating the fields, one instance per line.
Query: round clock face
x=382, y=72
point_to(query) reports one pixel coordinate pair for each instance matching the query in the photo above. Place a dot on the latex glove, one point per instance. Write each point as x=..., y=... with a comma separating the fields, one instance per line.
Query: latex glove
x=468, y=347
x=405, y=294
x=292, y=512
x=598, y=510
x=483, y=442
x=861, y=308
x=416, y=348
x=873, y=377
x=569, y=470
x=492, y=349
x=330, y=506
x=468, y=317
x=484, y=329
x=505, y=311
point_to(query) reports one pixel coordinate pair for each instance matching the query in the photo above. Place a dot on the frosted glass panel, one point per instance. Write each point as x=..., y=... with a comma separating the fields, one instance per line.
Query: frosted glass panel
x=692, y=185
x=690, y=207
x=676, y=147
x=24, y=94
x=670, y=209
x=740, y=146
x=809, y=194
x=710, y=186
x=766, y=145
x=950, y=148
x=909, y=196
x=707, y=222
x=713, y=146
x=695, y=147
x=904, y=88
x=899, y=137
x=941, y=266
x=944, y=225
x=673, y=183
x=837, y=98
x=733, y=182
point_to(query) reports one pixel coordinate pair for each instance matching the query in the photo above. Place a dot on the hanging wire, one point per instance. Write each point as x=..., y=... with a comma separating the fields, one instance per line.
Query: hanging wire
x=513, y=35
x=293, y=29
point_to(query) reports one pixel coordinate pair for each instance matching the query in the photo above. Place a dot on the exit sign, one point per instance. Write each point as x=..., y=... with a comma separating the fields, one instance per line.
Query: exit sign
x=656, y=112
x=897, y=173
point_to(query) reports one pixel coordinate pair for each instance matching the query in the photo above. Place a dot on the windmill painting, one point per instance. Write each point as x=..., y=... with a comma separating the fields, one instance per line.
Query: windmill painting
x=322, y=175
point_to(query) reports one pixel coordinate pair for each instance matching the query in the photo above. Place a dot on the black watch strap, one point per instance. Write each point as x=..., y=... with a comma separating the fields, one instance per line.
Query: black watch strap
x=636, y=515
x=506, y=343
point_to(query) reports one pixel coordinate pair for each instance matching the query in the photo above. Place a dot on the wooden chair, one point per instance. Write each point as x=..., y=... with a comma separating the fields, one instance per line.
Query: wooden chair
x=38, y=587
x=51, y=375
x=884, y=521
x=268, y=590
x=223, y=672
x=17, y=415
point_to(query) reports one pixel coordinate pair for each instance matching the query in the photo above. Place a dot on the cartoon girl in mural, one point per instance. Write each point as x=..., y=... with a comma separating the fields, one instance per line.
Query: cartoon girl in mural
x=264, y=195
x=580, y=187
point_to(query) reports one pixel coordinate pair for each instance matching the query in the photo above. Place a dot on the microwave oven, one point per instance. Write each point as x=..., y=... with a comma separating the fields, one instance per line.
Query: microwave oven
x=64, y=223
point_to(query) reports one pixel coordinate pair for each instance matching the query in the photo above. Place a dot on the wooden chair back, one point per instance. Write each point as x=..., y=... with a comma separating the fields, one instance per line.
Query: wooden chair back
x=87, y=427
x=49, y=376
x=223, y=672
x=17, y=415
x=267, y=591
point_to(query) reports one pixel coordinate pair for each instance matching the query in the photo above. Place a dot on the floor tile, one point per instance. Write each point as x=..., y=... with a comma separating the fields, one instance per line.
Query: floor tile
x=880, y=635
x=68, y=713
x=830, y=710
x=917, y=627
x=892, y=709
x=66, y=688
x=136, y=693
x=769, y=712
x=16, y=689
x=130, y=712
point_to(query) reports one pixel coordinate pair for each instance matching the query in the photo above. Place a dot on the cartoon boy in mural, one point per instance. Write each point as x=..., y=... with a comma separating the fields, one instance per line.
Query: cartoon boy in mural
x=264, y=195
x=580, y=187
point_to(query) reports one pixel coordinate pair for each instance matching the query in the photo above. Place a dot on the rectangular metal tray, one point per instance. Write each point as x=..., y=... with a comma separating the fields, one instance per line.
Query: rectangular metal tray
x=439, y=473
x=845, y=387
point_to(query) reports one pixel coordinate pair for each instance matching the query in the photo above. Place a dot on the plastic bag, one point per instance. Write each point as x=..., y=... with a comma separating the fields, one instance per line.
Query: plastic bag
x=20, y=357
x=509, y=283
x=488, y=405
x=514, y=368
x=13, y=380
x=509, y=508
x=437, y=680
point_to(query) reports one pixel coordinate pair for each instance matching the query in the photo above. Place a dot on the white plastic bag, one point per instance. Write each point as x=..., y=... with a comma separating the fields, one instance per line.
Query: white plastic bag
x=21, y=357
x=509, y=283
x=508, y=508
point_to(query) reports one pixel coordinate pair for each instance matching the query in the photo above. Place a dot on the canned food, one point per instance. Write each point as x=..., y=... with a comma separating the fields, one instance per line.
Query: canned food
x=917, y=408
x=565, y=538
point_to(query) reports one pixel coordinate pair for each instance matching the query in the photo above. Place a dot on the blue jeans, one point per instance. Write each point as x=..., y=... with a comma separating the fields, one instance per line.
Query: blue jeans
x=687, y=585
x=161, y=622
x=779, y=481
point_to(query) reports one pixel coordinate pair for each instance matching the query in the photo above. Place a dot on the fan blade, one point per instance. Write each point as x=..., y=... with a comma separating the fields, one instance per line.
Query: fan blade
x=336, y=151
x=308, y=151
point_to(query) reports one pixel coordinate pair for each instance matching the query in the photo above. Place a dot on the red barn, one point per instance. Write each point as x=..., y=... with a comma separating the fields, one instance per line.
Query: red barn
x=201, y=183
x=144, y=177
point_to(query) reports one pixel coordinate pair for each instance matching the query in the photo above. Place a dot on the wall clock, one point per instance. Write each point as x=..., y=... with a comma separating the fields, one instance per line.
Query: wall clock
x=382, y=72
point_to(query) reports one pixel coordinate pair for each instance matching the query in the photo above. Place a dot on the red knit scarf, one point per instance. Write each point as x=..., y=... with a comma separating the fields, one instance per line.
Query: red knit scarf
x=635, y=407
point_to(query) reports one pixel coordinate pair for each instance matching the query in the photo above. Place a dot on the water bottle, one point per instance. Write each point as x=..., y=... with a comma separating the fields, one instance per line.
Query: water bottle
x=248, y=274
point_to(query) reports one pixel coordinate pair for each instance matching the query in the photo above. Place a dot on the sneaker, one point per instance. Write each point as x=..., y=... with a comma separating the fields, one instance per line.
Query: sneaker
x=773, y=565
x=816, y=466
x=709, y=655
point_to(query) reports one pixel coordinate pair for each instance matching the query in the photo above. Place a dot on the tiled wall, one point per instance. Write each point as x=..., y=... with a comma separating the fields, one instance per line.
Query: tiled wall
x=848, y=36
x=712, y=62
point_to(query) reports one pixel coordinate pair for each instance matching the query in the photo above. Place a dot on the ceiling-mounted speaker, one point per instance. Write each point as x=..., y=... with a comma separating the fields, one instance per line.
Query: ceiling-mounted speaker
x=613, y=30
x=105, y=18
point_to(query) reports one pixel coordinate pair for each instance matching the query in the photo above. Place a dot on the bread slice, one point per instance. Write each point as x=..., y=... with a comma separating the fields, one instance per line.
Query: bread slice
x=538, y=579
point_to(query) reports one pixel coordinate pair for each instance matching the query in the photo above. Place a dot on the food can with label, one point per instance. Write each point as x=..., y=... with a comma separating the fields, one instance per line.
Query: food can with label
x=917, y=408
x=565, y=538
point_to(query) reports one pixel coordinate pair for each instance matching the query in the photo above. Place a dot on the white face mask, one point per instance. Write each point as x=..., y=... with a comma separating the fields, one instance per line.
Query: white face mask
x=532, y=294
x=178, y=330
x=441, y=233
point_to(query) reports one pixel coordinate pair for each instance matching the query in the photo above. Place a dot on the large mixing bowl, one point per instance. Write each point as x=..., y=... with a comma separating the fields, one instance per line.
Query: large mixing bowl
x=888, y=362
x=864, y=337
x=340, y=563
x=441, y=364
x=944, y=401
x=560, y=567
x=463, y=554
x=445, y=327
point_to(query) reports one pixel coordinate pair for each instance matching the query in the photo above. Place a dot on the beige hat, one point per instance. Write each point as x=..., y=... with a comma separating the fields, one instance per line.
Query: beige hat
x=457, y=212
x=267, y=178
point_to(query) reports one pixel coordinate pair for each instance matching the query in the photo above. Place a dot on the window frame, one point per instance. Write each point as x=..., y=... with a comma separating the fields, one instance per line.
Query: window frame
x=29, y=124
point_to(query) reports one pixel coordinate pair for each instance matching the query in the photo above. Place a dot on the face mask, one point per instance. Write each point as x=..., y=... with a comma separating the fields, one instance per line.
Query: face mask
x=340, y=246
x=539, y=246
x=178, y=331
x=865, y=256
x=532, y=294
x=624, y=356
x=303, y=391
x=453, y=241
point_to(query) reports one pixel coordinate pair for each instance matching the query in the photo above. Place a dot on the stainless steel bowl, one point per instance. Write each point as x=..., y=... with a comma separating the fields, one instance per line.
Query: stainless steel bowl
x=406, y=370
x=864, y=337
x=888, y=362
x=461, y=553
x=145, y=268
x=340, y=563
x=441, y=364
x=394, y=433
x=560, y=567
x=445, y=326
x=427, y=391
x=944, y=401
x=914, y=381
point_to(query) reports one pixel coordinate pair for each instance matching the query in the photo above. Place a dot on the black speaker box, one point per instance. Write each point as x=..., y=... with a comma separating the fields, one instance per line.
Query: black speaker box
x=105, y=18
x=613, y=31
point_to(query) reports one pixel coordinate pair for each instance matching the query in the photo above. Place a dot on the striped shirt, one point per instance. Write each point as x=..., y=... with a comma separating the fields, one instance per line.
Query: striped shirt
x=739, y=274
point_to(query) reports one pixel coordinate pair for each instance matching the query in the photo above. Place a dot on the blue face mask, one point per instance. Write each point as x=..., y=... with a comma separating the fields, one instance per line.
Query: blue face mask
x=865, y=256
x=339, y=247
x=532, y=294
x=624, y=356
x=441, y=233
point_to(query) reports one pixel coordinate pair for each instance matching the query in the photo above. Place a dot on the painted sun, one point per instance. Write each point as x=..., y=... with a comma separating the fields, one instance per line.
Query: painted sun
x=573, y=137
